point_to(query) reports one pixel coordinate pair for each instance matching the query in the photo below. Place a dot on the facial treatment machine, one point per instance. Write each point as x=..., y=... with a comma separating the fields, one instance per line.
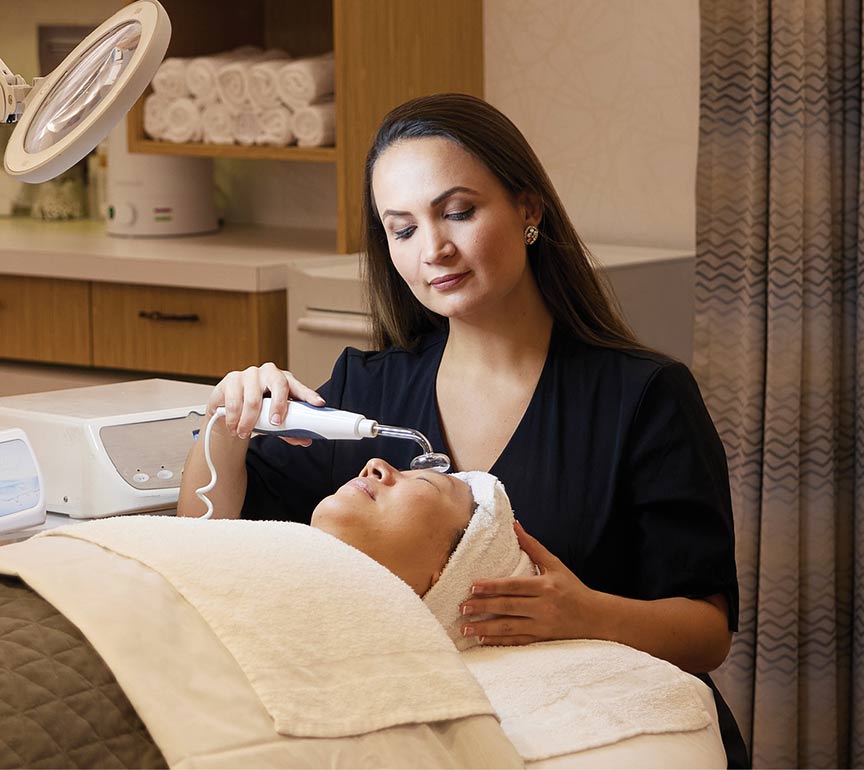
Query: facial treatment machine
x=304, y=421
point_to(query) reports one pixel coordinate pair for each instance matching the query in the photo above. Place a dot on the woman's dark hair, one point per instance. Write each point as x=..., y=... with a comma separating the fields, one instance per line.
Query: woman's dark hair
x=579, y=301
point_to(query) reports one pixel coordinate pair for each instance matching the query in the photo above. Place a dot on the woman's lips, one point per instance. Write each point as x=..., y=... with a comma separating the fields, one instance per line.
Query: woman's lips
x=444, y=282
x=362, y=485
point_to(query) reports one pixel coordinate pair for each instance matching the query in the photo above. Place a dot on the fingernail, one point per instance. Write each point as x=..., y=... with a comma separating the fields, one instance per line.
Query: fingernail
x=467, y=609
x=319, y=400
x=275, y=419
x=243, y=436
x=467, y=630
x=476, y=589
x=482, y=639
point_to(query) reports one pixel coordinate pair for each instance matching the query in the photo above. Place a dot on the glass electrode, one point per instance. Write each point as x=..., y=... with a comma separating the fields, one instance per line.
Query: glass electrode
x=429, y=460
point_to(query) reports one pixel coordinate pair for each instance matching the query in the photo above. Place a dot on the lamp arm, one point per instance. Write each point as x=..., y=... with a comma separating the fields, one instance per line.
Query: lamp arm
x=14, y=92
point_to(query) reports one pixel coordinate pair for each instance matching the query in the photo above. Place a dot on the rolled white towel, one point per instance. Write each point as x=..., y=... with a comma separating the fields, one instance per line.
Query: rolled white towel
x=217, y=124
x=202, y=70
x=315, y=125
x=306, y=81
x=276, y=127
x=156, y=115
x=184, y=121
x=245, y=125
x=263, y=83
x=201, y=77
x=170, y=78
x=488, y=549
x=232, y=78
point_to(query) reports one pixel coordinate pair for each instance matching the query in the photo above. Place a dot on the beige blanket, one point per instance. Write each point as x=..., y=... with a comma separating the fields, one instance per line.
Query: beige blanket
x=333, y=643
x=189, y=689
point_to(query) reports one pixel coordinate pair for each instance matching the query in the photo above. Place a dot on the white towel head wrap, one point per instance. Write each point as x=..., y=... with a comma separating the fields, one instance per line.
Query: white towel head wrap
x=488, y=549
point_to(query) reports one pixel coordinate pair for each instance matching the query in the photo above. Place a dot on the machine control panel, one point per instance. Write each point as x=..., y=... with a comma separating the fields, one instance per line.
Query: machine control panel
x=150, y=455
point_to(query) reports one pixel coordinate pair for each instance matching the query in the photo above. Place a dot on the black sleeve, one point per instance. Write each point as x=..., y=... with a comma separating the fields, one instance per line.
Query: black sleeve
x=286, y=482
x=678, y=486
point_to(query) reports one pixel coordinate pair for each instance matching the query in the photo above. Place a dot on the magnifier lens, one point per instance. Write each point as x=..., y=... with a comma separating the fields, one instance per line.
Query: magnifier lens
x=80, y=91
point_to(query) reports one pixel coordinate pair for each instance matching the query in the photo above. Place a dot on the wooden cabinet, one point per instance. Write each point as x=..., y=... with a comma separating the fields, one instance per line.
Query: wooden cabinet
x=195, y=332
x=386, y=51
x=45, y=319
x=187, y=331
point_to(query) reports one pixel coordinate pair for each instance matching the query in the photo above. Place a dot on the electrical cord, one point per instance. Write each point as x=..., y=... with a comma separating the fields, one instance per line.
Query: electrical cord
x=202, y=491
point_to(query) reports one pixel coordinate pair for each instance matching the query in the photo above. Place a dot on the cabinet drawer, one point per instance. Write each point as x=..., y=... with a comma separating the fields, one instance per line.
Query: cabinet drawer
x=187, y=331
x=45, y=319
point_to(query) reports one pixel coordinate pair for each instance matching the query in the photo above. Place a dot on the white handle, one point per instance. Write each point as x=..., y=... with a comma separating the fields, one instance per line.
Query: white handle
x=316, y=422
x=353, y=325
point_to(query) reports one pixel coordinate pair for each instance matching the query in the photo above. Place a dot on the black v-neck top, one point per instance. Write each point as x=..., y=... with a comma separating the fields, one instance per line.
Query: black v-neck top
x=615, y=466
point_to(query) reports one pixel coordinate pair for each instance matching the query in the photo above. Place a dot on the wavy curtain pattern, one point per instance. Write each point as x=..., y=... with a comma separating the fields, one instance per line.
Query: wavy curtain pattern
x=779, y=281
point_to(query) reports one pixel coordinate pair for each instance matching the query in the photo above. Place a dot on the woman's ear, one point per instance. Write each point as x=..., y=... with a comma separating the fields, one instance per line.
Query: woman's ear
x=531, y=205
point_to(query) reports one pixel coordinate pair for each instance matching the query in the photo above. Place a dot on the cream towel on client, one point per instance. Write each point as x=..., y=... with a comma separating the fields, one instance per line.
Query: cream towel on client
x=488, y=549
x=333, y=643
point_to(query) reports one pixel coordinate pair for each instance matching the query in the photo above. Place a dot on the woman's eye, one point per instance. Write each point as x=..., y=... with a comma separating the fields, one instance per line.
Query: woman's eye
x=457, y=215
x=405, y=232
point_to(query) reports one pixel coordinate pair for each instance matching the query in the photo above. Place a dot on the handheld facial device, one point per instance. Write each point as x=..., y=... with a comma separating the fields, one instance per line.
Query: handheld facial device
x=321, y=422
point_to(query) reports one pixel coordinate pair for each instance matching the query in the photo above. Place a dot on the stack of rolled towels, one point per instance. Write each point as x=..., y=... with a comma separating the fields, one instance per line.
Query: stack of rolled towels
x=246, y=96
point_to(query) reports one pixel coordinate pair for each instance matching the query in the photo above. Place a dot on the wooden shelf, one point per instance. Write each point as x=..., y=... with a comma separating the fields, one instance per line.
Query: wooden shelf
x=202, y=150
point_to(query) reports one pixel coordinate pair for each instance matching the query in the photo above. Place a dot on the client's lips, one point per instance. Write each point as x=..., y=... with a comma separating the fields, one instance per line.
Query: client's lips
x=448, y=281
x=362, y=485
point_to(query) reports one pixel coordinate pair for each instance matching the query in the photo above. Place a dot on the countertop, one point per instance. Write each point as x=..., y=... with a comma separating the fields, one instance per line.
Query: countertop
x=237, y=258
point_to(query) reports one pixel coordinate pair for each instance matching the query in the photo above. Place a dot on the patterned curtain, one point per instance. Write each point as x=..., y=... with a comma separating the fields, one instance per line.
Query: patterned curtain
x=779, y=281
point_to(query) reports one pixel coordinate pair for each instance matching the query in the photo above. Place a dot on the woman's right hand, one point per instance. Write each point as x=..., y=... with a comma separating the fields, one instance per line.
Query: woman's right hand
x=241, y=394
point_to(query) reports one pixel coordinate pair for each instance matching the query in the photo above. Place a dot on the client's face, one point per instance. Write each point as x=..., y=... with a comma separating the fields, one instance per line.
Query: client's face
x=406, y=520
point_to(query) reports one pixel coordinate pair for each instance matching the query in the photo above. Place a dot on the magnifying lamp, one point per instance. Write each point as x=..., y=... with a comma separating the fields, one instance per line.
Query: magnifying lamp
x=62, y=117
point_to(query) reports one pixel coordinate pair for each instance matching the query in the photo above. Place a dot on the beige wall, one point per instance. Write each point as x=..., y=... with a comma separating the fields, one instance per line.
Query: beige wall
x=19, y=20
x=607, y=92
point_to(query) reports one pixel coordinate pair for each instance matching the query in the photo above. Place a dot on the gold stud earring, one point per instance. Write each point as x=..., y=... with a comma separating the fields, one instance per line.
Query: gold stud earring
x=531, y=235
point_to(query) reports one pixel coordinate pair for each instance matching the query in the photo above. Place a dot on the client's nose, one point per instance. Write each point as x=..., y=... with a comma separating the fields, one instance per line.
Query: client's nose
x=379, y=469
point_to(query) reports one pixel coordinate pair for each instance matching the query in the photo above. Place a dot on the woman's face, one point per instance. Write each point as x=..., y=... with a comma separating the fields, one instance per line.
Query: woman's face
x=405, y=520
x=456, y=235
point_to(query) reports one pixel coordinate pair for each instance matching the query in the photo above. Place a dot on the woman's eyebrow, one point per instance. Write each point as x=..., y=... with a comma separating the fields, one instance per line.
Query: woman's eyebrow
x=452, y=191
x=434, y=202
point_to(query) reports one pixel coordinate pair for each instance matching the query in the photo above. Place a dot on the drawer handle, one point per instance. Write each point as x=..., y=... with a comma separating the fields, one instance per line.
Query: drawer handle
x=357, y=327
x=155, y=315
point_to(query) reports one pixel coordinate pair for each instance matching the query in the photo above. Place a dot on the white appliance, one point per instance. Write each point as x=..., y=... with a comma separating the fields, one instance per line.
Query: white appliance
x=326, y=313
x=110, y=449
x=153, y=195
x=22, y=494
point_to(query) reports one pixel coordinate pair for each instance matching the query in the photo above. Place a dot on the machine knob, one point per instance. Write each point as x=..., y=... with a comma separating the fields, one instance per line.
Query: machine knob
x=122, y=213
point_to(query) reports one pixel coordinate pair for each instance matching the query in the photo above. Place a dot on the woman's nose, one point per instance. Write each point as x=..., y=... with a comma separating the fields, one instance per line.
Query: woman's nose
x=439, y=247
x=379, y=469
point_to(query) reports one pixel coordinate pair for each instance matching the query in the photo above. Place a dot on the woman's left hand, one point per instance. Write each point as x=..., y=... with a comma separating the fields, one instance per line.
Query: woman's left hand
x=552, y=605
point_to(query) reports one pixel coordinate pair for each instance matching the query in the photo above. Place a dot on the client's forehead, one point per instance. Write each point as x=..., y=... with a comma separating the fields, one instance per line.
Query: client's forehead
x=465, y=496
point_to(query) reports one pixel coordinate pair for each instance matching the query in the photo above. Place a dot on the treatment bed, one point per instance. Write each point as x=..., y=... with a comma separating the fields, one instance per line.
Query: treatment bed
x=107, y=663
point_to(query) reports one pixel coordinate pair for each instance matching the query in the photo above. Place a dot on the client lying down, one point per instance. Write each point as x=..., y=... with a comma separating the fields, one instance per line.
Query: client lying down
x=253, y=643
x=438, y=533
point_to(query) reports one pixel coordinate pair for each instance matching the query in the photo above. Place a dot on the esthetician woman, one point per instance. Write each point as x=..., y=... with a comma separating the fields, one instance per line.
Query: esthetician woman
x=498, y=341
